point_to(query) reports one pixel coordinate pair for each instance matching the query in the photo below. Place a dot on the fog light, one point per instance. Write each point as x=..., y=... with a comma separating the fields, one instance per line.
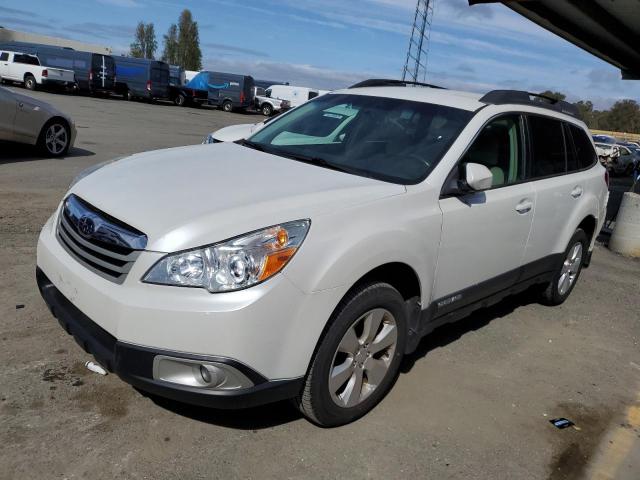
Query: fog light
x=208, y=374
x=194, y=373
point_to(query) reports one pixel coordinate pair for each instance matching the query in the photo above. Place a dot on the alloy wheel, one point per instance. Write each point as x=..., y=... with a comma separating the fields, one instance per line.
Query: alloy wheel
x=570, y=268
x=363, y=357
x=56, y=138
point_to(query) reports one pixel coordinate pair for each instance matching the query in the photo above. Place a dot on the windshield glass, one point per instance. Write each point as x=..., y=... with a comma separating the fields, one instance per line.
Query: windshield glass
x=389, y=139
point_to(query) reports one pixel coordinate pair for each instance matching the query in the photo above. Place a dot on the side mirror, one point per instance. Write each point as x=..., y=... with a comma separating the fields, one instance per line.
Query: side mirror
x=478, y=177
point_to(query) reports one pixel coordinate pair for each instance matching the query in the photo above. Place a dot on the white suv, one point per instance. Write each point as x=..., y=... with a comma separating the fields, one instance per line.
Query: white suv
x=304, y=262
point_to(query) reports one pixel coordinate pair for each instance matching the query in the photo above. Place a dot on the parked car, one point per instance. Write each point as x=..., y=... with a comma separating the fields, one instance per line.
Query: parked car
x=606, y=152
x=94, y=72
x=24, y=119
x=624, y=163
x=27, y=70
x=305, y=261
x=142, y=78
x=181, y=95
x=226, y=90
x=270, y=106
x=294, y=95
x=605, y=139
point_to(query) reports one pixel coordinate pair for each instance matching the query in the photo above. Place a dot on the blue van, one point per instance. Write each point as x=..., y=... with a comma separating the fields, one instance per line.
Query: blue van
x=142, y=78
x=94, y=72
x=226, y=90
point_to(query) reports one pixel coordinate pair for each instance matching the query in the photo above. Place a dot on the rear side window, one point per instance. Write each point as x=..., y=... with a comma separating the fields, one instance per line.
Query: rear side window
x=4, y=56
x=585, y=154
x=499, y=148
x=547, y=147
x=27, y=59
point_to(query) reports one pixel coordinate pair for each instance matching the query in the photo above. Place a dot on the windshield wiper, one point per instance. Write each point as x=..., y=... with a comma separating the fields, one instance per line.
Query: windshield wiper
x=313, y=161
x=250, y=144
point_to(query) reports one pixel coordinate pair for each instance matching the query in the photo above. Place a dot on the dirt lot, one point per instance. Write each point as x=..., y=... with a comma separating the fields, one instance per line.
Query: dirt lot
x=474, y=402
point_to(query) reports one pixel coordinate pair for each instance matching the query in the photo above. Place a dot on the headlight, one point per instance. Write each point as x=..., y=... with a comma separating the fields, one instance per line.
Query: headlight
x=234, y=264
x=209, y=139
x=91, y=169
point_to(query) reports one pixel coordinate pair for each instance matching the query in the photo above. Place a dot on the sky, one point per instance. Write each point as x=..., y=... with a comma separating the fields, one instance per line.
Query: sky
x=334, y=43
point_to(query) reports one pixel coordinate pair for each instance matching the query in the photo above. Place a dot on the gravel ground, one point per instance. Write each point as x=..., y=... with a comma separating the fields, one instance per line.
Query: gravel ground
x=474, y=401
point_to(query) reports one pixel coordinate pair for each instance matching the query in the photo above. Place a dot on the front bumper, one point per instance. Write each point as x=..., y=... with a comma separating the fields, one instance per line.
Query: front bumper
x=134, y=364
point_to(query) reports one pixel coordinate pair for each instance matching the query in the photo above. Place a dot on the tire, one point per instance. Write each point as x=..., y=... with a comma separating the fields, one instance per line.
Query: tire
x=227, y=106
x=49, y=141
x=568, y=272
x=331, y=405
x=267, y=110
x=29, y=82
x=180, y=100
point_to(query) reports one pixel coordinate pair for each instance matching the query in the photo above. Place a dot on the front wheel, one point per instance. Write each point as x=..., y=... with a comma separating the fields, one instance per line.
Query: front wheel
x=567, y=273
x=358, y=358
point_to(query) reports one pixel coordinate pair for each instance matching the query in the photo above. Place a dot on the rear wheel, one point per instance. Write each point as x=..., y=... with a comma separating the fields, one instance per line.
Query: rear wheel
x=29, y=82
x=358, y=358
x=568, y=272
x=267, y=110
x=55, y=138
x=227, y=106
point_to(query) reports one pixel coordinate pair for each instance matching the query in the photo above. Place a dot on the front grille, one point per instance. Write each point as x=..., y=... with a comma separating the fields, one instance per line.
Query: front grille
x=102, y=243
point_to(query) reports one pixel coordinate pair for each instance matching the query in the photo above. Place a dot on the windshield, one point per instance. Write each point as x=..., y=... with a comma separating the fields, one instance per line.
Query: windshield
x=388, y=139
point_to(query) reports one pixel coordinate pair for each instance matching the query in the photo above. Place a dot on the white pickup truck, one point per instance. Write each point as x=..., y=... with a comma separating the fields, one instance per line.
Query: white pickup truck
x=27, y=69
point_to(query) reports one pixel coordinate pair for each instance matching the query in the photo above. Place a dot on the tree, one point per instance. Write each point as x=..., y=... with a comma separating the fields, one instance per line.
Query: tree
x=189, y=54
x=554, y=95
x=624, y=116
x=144, y=44
x=170, y=52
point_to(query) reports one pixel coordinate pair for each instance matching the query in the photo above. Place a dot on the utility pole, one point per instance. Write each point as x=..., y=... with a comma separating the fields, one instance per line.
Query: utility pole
x=415, y=67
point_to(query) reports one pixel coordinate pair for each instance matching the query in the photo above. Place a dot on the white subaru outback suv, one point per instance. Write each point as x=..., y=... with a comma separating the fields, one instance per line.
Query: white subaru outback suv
x=304, y=262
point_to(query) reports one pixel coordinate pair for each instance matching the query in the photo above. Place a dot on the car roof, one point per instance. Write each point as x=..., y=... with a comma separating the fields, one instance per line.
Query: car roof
x=463, y=100
x=438, y=96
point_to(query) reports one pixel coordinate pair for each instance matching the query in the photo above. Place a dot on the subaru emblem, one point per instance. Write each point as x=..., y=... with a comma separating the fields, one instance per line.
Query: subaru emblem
x=86, y=226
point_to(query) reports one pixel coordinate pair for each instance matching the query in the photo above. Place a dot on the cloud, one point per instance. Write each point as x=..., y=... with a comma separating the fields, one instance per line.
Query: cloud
x=101, y=30
x=14, y=11
x=296, y=74
x=121, y=3
x=233, y=49
x=15, y=22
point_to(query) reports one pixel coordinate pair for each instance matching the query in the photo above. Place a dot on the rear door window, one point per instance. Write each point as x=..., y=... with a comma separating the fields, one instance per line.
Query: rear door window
x=584, y=151
x=4, y=56
x=548, y=153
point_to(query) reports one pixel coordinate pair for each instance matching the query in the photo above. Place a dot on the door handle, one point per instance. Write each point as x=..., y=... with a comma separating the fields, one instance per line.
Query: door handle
x=524, y=206
x=576, y=192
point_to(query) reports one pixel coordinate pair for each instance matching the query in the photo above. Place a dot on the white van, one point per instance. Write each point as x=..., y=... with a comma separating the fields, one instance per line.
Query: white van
x=295, y=95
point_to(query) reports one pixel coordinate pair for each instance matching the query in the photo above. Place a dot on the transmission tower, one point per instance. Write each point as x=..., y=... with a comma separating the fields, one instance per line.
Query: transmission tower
x=415, y=67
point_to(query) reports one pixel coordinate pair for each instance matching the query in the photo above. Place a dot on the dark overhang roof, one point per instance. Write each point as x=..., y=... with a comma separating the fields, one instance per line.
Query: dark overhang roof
x=609, y=29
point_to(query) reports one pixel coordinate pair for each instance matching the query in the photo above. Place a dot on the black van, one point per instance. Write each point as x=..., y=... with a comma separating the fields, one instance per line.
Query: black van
x=94, y=72
x=142, y=78
x=226, y=90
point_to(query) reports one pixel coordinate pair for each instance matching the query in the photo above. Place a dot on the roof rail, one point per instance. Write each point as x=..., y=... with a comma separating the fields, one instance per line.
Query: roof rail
x=501, y=97
x=388, y=82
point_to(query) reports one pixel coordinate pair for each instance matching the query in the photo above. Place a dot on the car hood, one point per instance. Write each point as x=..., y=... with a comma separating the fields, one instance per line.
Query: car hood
x=191, y=196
